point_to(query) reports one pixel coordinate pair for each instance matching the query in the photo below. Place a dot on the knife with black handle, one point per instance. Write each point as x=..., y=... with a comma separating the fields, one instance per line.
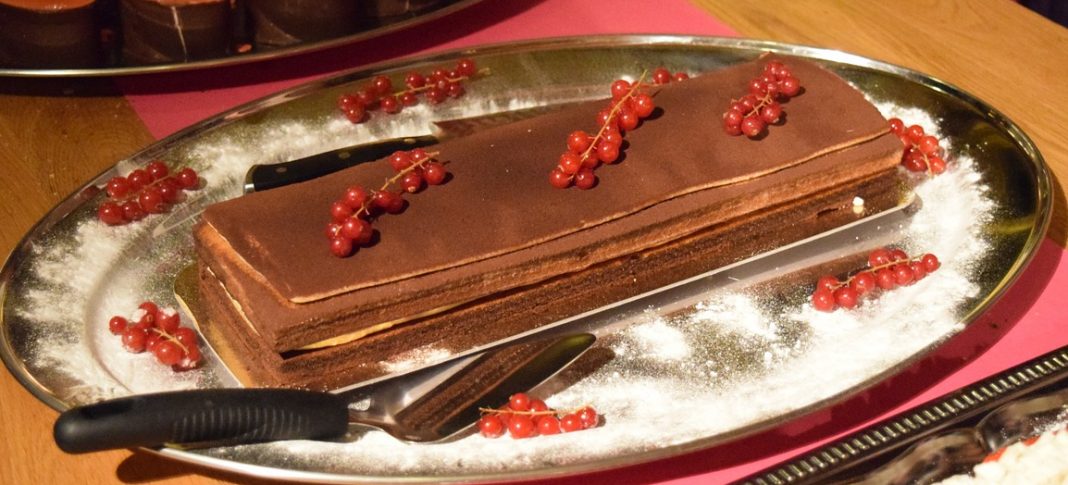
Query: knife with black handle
x=431, y=404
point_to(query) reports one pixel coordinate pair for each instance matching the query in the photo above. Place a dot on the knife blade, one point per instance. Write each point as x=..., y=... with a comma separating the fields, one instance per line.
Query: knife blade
x=431, y=404
x=269, y=176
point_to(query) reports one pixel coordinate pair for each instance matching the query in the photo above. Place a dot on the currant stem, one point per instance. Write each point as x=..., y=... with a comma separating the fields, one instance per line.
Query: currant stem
x=611, y=115
x=485, y=71
x=873, y=269
x=365, y=208
x=170, y=337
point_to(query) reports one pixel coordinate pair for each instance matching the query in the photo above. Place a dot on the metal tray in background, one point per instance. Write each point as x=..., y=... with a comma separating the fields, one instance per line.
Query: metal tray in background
x=530, y=73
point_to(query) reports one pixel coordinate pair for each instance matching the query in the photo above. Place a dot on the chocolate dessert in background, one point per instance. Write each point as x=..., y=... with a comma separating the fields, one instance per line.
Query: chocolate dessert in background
x=159, y=31
x=49, y=34
x=378, y=12
x=287, y=22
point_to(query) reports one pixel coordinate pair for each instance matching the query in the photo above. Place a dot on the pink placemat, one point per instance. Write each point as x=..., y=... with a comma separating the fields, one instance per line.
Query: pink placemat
x=1024, y=324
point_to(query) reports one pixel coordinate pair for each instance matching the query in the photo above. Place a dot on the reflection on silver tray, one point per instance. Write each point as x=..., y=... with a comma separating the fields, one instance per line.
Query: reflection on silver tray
x=747, y=356
x=116, y=68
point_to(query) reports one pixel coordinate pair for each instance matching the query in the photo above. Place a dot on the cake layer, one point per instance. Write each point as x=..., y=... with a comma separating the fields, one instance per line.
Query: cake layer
x=499, y=225
x=511, y=312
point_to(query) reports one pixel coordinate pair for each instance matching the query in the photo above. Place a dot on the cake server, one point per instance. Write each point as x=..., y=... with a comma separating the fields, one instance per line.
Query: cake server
x=431, y=404
x=269, y=176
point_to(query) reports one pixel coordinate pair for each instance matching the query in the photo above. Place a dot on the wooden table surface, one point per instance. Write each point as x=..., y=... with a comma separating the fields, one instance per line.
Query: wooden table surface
x=57, y=134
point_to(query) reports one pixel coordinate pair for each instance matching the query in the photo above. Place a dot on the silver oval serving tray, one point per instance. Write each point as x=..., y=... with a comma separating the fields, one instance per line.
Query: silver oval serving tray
x=70, y=273
x=243, y=58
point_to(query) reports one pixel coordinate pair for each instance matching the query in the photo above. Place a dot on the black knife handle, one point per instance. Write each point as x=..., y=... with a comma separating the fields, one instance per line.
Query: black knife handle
x=209, y=416
x=263, y=177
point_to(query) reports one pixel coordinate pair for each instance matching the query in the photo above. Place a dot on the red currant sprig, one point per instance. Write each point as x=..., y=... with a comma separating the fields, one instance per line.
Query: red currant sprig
x=887, y=269
x=148, y=190
x=923, y=152
x=525, y=417
x=351, y=215
x=751, y=114
x=585, y=153
x=436, y=87
x=662, y=76
x=158, y=330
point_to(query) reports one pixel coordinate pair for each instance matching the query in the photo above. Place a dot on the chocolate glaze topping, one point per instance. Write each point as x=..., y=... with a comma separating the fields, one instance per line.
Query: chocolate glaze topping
x=499, y=199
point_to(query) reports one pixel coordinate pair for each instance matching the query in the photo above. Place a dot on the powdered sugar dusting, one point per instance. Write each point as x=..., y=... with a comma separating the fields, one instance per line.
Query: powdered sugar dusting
x=415, y=358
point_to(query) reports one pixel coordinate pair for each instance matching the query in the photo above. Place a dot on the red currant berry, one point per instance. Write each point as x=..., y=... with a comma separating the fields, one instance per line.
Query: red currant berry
x=400, y=160
x=559, y=179
x=132, y=211
x=863, y=283
x=770, y=114
x=333, y=229
x=628, y=119
x=733, y=117
x=117, y=325
x=346, y=102
x=915, y=164
x=390, y=202
x=355, y=114
x=168, y=320
x=930, y=262
x=390, y=104
x=681, y=76
x=585, y=179
x=521, y=426
x=151, y=200
x=139, y=178
x=918, y=270
x=185, y=336
x=897, y=126
x=915, y=133
x=571, y=422
x=757, y=88
x=578, y=141
x=434, y=173
x=435, y=95
x=352, y=228
x=157, y=169
x=187, y=178
x=414, y=80
x=455, y=90
x=885, y=279
x=418, y=155
x=537, y=405
x=607, y=152
x=466, y=67
x=111, y=214
x=897, y=254
x=569, y=163
x=355, y=196
x=408, y=99
x=752, y=126
x=789, y=86
x=367, y=98
x=189, y=360
x=829, y=282
x=731, y=129
x=341, y=246
x=490, y=426
x=643, y=105
x=620, y=88
x=340, y=210
x=605, y=117
x=936, y=164
x=381, y=85
x=519, y=402
x=878, y=257
x=134, y=339
x=149, y=307
x=661, y=76
x=154, y=338
x=588, y=416
x=823, y=300
x=412, y=182
x=167, y=352
x=118, y=187
x=547, y=425
x=928, y=145
x=169, y=190
x=612, y=136
x=846, y=297
x=903, y=274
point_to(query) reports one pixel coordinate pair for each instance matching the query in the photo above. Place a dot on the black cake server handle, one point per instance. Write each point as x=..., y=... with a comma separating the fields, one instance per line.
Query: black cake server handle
x=270, y=176
x=200, y=417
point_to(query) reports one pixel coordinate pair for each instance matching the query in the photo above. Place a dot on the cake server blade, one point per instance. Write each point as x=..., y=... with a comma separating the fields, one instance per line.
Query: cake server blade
x=432, y=404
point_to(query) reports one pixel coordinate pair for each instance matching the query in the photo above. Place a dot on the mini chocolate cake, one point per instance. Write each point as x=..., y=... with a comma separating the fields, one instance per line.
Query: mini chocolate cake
x=46, y=34
x=286, y=22
x=387, y=11
x=160, y=31
x=498, y=251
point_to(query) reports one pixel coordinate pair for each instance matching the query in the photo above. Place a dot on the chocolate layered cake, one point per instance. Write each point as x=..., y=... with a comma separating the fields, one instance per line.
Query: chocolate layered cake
x=497, y=251
x=286, y=22
x=163, y=31
x=45, y=34
x=386, y=11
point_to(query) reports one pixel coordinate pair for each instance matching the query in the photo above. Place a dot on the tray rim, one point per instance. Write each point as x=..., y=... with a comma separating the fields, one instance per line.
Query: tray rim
x=1043, y=203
